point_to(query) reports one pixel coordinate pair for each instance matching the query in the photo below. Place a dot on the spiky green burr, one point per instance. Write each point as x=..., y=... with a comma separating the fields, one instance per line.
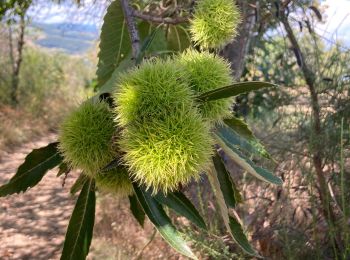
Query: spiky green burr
x=85, y=137
x=116, y=181
x=165, y=140
x=206, y=72
x=214, y=23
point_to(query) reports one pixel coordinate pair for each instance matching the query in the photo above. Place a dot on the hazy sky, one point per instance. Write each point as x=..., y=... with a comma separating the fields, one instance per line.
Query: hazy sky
x=336, y=27
x=337, y=19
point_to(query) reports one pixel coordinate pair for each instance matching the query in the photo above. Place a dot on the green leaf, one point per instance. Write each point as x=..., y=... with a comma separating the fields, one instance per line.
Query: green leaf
x=78, y=184
x=246, y=163
x=35, y=166
x=63, y=169
x=238, y=196
x=154, y=41
x=148, y=42
x=239, y=237
x=241, y=127
x=158, y=43
x=234, y=90
x=178, y=38
x=182, y=205
x=225, y=182
x=162, y=222
x=252, y=146
x=137, y=210
x=110, y=84
x=80, y=228
x=114, y=43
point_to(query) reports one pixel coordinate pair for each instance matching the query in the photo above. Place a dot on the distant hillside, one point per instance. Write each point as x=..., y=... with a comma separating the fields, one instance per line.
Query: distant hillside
x=71, y=38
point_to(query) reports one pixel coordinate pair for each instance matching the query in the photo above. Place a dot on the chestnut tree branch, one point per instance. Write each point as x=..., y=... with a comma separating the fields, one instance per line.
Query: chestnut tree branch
x=133, y=32
x=157, y=19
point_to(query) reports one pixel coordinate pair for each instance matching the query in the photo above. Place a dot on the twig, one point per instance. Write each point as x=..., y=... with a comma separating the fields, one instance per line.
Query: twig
x=157, y=19
x=133, y=32
x=146, y=245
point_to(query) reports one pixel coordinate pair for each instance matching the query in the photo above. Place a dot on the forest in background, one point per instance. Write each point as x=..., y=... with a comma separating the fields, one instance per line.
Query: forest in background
x=304, y=124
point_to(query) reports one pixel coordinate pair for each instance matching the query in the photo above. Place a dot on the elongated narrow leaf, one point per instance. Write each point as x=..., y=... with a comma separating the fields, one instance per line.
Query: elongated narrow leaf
x=81, y=224
x=240, y=236
x=137, y=210
x=238, y=196
x=237, y=234
x=225, y=182
x=63, y=169
x=114, y=43
x=162, y=222
x=78, y=184
x=240, y=127
x=182, y=205
x=252, y=147
x=234, y=90
x=246, y=163
x=246, y=137
x=35, y=166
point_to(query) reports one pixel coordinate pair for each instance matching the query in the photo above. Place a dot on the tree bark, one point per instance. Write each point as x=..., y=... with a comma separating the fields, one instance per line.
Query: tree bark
x=18, y=60
x=236, y=52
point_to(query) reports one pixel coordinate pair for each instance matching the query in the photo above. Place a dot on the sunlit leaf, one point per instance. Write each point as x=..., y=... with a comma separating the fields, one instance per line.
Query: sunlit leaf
x=162, y=222
x=234, y=90
x=35, y=166
x=248, y=143
x=182, y=205
x=246, y=163
x=81, y=224
x=114, y=43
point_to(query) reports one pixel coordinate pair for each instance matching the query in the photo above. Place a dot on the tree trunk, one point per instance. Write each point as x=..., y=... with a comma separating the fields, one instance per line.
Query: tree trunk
x=236, y=52
x=317, y=147
x=18, y=59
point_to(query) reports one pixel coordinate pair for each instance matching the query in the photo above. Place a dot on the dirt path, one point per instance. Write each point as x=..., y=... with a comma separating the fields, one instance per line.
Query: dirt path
x=33, y=224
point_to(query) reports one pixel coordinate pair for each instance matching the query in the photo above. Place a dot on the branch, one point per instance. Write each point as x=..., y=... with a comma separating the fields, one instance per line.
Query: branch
x=286, y=3
x=133, y=32
x=317, y=151
x=157, y=19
